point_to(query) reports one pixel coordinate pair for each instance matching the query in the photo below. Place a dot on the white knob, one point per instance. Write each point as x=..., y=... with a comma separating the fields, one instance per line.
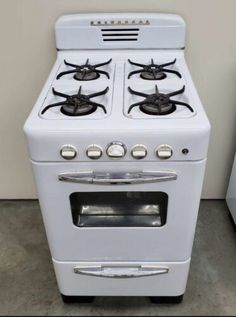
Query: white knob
x=139, y=151
x=164, y=151
x=116, y=150
x=94, y=152
x=68, y=152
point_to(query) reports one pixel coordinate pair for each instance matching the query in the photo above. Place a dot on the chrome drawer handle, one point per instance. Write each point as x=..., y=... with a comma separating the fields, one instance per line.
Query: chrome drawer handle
x=121, y=271
x=118, y=178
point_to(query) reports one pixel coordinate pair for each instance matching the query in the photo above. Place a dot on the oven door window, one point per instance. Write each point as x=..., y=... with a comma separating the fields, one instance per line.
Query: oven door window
x=119, y=209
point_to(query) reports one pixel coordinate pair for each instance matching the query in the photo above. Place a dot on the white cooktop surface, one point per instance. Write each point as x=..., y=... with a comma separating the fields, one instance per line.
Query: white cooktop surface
x=118, y=84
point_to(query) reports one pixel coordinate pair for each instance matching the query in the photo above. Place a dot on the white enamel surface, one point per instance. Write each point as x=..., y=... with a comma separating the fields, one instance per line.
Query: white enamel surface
x=171, y=284
x=164, y=31
x=47, y=133
x=172, y=242
x=231, y=193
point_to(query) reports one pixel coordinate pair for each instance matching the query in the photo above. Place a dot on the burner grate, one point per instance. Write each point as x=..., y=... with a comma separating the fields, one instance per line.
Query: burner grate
x=158, y=104
x=86, y=71
x=153, y=71
x=78, y=104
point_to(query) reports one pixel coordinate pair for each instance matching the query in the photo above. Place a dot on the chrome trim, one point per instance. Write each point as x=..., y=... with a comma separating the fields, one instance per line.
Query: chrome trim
x=107, y=178
x=121, y=22
x=83, y=177
x=116, y=143
x=121, y=271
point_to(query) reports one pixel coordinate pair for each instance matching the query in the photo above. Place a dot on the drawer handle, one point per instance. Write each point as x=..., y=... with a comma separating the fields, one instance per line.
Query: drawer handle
x=121, y=271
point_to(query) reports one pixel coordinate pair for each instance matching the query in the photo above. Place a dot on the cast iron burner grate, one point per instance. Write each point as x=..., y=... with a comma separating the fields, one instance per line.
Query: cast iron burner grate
x=86, y=71
x=158, y=104
x=153, y=71
x=78, y=104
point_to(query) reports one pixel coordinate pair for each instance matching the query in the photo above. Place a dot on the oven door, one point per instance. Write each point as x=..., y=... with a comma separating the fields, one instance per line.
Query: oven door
x=139, y=212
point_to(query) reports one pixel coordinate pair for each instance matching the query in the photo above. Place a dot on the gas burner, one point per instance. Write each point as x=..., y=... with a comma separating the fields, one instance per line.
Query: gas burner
x=86, y=71
x=78, y=104
x=153, y=71
x=158, y=104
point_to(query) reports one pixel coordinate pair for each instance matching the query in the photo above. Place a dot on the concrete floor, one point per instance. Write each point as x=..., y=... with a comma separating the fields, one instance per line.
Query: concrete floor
x=28, y=285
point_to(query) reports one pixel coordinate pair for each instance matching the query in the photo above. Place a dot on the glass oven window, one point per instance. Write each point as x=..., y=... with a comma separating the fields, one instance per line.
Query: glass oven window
x=119, y=209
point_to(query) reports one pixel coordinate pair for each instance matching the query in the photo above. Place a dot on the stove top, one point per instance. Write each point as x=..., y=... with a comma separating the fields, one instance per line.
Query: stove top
x=85, y=88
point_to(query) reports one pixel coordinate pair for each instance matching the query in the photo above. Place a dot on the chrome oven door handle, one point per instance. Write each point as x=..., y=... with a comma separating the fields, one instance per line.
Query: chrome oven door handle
x=125, y=178
x=121, y=271
x=84, y=177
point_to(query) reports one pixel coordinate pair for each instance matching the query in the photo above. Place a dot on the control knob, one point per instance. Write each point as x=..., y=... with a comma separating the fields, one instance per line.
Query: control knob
x=139, y=151
x=116, y=150
x=164, y=151
x=68, y=152
x=94, y=152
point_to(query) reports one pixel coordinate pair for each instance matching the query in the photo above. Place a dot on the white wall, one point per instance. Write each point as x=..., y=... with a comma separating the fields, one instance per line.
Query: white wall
x=28, y=52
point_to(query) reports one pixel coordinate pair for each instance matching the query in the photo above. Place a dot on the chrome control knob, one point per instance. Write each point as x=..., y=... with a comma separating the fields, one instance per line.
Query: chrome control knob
x=94, y=152
x=139, y=151
x=164, y=151
x=68, y=152
x=116, y=150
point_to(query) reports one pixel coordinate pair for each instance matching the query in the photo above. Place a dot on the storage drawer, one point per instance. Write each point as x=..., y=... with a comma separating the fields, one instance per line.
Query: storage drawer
x=122, y=278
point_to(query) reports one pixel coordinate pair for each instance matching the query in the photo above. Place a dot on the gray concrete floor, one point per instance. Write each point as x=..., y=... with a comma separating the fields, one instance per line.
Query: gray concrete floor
x=28, y=285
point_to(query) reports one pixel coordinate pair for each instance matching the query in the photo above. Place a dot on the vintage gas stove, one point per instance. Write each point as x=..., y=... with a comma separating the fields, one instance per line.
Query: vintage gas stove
x=118, y=141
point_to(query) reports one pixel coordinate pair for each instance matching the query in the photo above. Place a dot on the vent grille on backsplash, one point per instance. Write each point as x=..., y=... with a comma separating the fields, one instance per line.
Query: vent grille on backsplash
x=120, y=34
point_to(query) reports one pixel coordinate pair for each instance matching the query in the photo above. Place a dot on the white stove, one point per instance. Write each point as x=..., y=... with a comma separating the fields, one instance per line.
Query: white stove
x=118, y=141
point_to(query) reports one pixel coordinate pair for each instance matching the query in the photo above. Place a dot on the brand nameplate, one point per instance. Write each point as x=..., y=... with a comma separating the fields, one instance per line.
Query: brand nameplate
x=119, y=22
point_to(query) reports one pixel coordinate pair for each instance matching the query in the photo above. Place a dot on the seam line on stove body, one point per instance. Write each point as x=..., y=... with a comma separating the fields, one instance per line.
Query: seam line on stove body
x=62, y=162
x=123, y=262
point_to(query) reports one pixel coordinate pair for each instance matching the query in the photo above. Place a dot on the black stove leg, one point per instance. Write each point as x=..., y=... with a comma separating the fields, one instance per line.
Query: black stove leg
x=77, y=299
x=166, y=299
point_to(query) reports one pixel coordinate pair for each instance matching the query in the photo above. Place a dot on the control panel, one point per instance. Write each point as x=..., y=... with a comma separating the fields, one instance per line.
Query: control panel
x=117, y=150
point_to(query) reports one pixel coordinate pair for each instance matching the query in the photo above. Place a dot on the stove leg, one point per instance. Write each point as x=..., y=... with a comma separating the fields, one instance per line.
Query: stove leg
x=166, y=299
x=77, y=299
